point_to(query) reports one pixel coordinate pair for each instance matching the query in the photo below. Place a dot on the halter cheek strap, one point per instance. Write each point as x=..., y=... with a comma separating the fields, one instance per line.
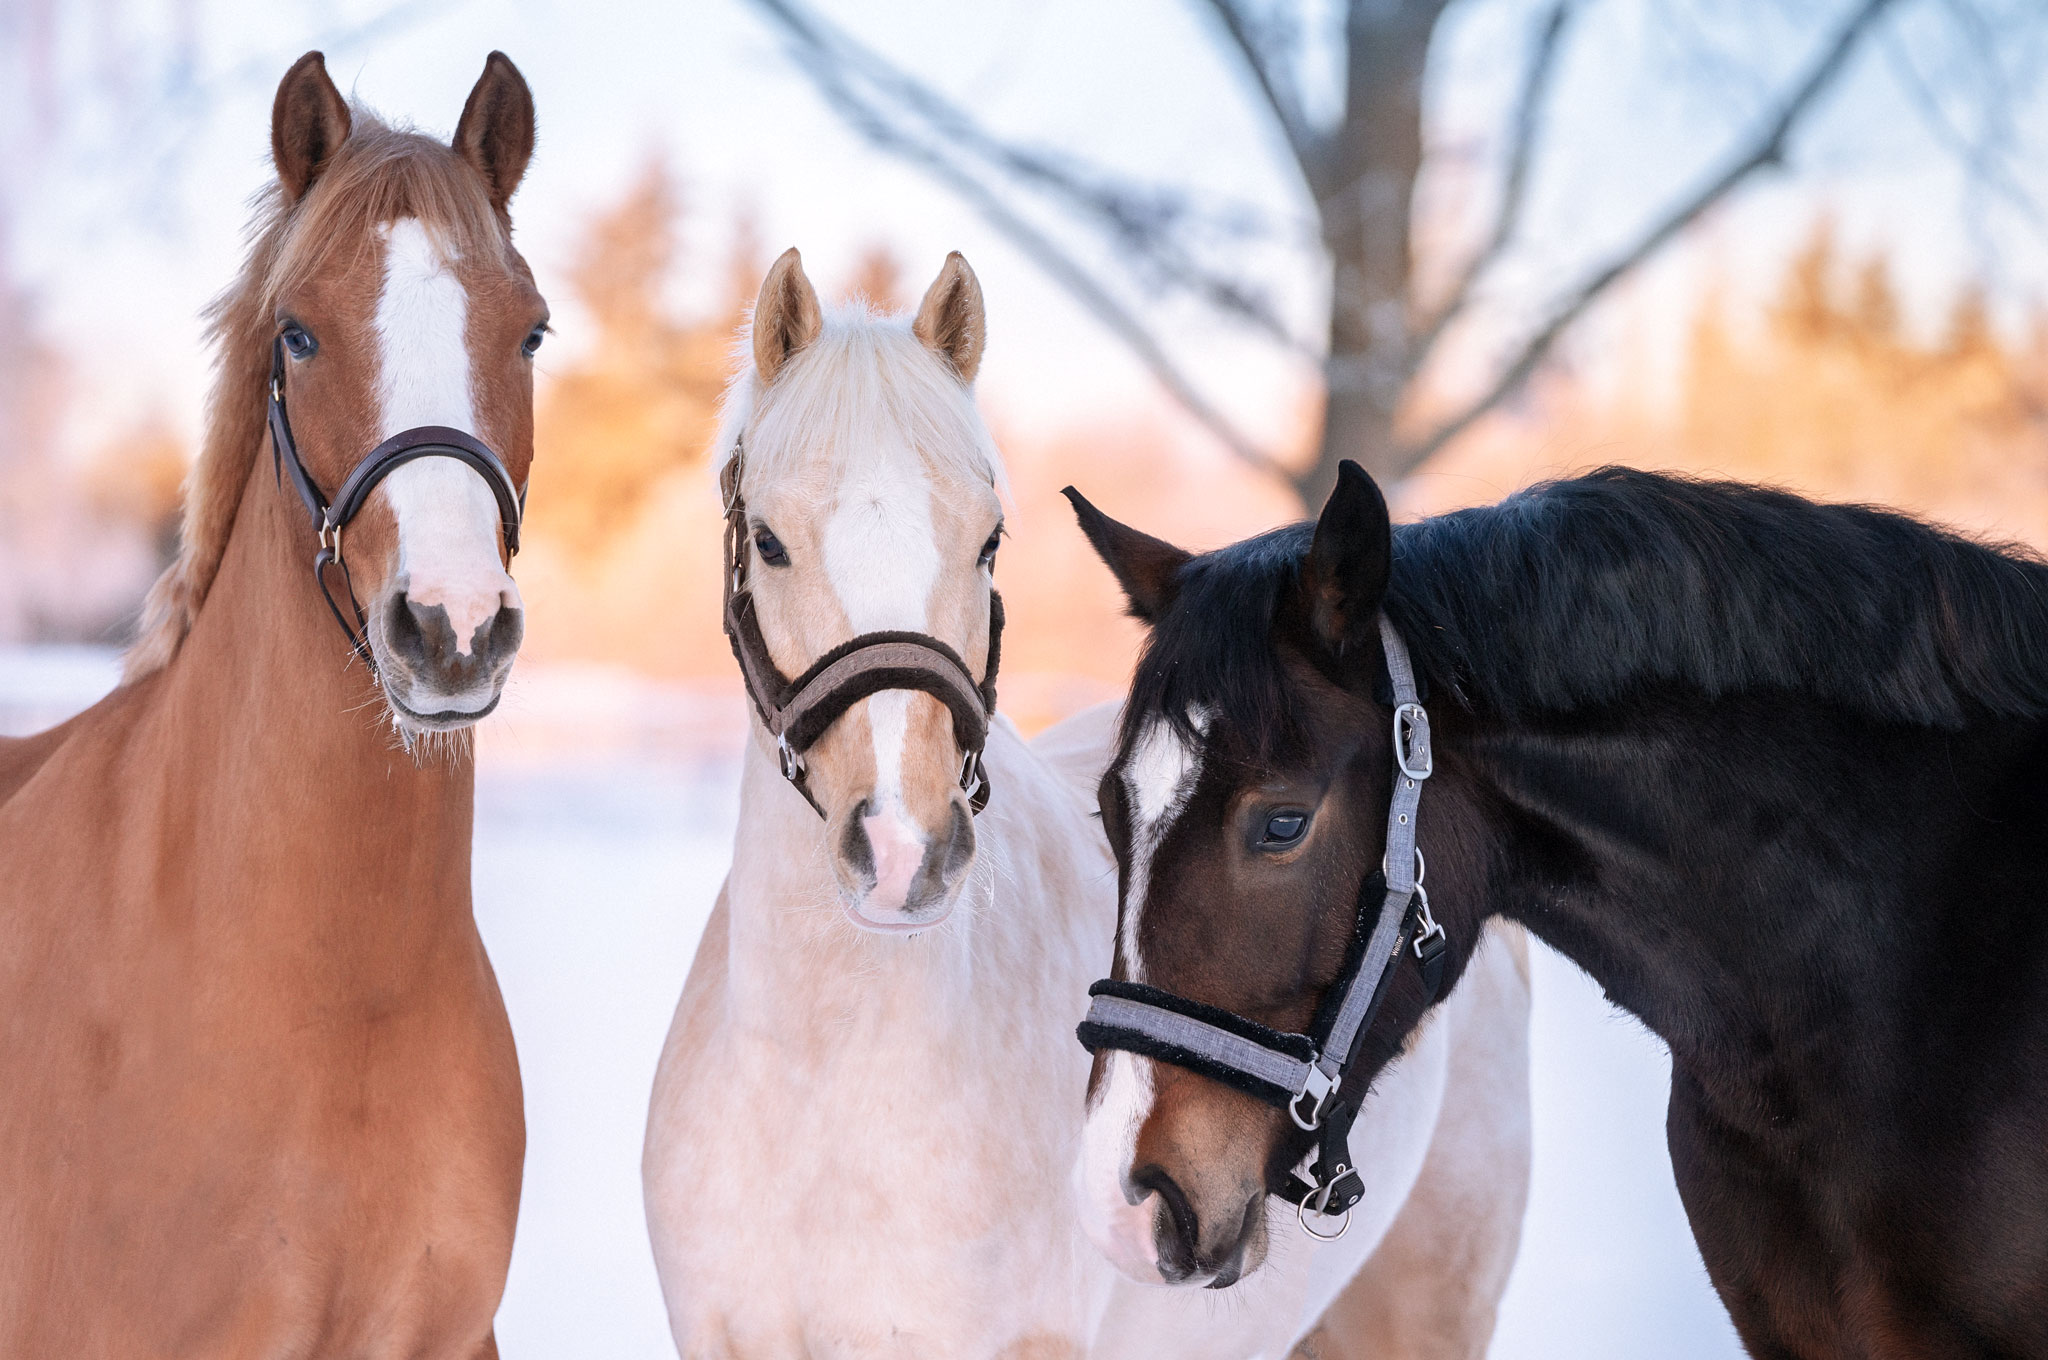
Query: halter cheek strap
x=1305, y=1073
x=797, y=713
x=330, y=518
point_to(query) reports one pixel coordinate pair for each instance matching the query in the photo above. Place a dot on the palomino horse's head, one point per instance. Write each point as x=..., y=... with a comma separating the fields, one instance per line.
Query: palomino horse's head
x=871, y=493
x=398, y=302
x=1247, y=807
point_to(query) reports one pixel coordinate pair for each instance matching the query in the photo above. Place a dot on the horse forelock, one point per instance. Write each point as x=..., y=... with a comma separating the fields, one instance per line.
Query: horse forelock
x=381, y=174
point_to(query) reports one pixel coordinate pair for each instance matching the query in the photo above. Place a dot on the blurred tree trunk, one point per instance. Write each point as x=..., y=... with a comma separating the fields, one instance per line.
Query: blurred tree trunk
x=1362, y=176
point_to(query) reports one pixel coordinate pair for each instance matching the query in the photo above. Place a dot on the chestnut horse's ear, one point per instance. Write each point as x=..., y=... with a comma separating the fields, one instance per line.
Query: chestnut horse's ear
x=308, y=123
x=786, y=315
x=1143, y=565
x=950, y=320
x=1345, y=576
x=495, y=133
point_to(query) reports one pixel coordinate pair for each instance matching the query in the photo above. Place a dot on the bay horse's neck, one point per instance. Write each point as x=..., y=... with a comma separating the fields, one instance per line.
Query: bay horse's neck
x=285, y=790
x=1771, y=884
x=795, y=959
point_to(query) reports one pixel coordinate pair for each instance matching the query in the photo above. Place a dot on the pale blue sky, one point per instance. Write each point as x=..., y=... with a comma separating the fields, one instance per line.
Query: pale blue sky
x=125, y=228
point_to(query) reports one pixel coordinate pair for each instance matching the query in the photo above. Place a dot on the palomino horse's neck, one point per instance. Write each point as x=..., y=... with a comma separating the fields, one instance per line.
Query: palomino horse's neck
x=279, y=756
x=795, y=955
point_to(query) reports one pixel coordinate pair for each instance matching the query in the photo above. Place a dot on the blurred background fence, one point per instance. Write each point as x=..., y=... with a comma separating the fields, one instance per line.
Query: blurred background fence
x=1224, y=243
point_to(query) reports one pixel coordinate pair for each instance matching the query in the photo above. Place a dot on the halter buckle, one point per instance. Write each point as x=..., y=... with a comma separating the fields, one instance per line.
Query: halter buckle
x=1317, y=1201
x=1429, y=931
x=1316, y=1088
x=330, y=538
x=792, y=763
x=970, y=773
x=1411, y=741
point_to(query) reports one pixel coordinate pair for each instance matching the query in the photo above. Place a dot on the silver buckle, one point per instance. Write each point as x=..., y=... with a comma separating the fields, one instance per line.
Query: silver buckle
x=1411, y=741
x=1316, y=1085
x=970, y=772
x=1430, y=929
x=792, y=763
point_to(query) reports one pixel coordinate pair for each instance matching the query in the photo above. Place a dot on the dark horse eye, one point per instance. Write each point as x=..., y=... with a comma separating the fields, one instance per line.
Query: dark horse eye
x=297, y=343
x=988, y=549
x=533, y=339
x=1284, y=828
x=770, y=547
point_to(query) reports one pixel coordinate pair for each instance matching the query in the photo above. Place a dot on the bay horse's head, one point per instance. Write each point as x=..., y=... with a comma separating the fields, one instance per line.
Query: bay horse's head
x=863, y=520
x=1248, y=807
x=403, y=326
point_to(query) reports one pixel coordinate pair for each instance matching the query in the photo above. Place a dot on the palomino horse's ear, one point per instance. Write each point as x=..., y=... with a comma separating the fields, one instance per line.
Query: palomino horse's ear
x=1143, y=565
x=308, y=123
x=495, y=133
x=1345, y=576
x=951, y=321
x=786, y=315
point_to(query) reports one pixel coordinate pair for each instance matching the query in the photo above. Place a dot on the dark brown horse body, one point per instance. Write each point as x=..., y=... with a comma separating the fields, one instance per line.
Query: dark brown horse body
x=1775, y=774
x=261, y=1095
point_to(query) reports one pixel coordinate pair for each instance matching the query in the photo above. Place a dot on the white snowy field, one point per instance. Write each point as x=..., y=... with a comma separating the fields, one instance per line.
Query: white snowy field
x=600, y=844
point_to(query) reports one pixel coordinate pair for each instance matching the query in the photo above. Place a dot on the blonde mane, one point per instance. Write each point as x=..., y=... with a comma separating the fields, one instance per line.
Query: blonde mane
x=380, y=174
x=865, y=369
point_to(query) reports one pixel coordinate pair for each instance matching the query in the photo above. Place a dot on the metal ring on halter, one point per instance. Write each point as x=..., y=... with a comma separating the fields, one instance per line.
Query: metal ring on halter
x=792, y=763
x=1301, y=1211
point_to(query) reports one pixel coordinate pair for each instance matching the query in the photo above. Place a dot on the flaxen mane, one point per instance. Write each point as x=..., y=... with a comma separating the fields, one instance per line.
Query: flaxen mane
x=380, y=174
x=1583, y=593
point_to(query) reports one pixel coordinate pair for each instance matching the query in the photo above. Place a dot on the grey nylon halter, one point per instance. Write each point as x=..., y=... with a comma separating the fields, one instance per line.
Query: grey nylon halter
x=1304, y=1072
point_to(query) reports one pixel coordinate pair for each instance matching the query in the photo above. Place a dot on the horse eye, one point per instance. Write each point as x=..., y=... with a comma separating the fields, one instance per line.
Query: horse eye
x=988, y=549
x=298, y=343
x=1284, y=828
x=533, y=340
x=770, y=547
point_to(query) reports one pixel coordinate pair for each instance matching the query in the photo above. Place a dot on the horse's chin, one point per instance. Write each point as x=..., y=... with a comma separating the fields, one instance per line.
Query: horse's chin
x=418, y=714
x=900, y=924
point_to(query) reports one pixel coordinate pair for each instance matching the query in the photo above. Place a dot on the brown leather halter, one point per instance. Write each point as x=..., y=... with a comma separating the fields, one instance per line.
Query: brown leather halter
x=329, y=519
x=797, y=713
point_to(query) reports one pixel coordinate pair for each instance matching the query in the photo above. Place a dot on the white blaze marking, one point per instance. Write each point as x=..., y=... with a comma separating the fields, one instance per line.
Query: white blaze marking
x=1120, y=1230
x=882, y=560
x=447, y=516
x=1159, y=776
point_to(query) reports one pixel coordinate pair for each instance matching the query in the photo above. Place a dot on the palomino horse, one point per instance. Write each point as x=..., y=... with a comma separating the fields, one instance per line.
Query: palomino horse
x=1774, y=773
x=261, y=1097
x=863, y=1129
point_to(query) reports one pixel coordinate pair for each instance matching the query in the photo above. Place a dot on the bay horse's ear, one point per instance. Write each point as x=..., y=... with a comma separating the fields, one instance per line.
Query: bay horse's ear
x=786, y=315
x=951, y=321
x=495, y=133
x=1144, y=566
x=308, y=123
x=1345, y=576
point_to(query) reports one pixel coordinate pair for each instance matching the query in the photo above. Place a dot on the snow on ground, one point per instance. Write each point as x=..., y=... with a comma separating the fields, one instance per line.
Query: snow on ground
x=605, y=817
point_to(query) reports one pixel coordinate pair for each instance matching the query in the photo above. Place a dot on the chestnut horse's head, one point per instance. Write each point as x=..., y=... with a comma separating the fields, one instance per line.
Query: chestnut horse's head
x=383, y=295
x=870, y=489
x=1247, y=807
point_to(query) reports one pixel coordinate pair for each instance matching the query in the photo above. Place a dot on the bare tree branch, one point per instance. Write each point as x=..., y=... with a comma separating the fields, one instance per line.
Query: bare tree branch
x=1154, y=227
x=1528, y=120
x=822, y=61
x=1767, y=149
x=1274, y=83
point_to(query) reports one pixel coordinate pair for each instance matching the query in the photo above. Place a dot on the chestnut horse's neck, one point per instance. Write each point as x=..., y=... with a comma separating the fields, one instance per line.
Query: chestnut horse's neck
x=278, y=752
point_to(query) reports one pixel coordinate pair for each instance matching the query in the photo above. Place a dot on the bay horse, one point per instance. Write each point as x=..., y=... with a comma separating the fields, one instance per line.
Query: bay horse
x=261, y=1096
x=864, y=1124
x=1774, y=773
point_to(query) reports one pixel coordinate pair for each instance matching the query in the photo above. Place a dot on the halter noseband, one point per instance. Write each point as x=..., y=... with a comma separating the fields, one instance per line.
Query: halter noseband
x=330, y=518
x=797, y=713
x=1304, y=1073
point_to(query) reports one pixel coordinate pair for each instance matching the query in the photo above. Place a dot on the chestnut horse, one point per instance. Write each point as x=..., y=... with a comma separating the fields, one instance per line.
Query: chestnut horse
x=1774, y=773
x=261, y=1097
x=863, y=1129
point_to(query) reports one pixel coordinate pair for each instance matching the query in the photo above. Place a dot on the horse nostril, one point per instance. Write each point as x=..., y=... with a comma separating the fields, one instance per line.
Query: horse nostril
x=499, y=638
x=1178, y=1248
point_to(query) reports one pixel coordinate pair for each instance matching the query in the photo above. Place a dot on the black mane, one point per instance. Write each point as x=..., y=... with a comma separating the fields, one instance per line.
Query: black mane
x=1576, y=594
